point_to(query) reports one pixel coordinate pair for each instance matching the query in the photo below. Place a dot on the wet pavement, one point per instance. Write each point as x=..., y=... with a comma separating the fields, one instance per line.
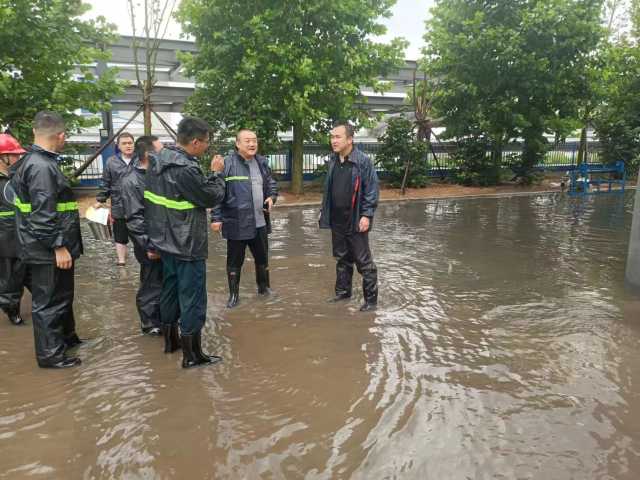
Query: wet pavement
x=504, y=346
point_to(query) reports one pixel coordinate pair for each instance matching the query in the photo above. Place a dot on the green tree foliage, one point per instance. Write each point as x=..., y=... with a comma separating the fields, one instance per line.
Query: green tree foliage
x=511, y=69
x=399, y=147
x=45, y=53
x=276, y=65
x=617, y=120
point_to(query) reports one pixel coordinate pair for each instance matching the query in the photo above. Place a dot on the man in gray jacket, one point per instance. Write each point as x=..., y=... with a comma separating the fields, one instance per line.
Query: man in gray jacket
x=110, y=187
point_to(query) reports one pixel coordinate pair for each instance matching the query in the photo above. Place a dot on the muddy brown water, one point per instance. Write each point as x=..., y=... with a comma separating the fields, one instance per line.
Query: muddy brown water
x=505, y=346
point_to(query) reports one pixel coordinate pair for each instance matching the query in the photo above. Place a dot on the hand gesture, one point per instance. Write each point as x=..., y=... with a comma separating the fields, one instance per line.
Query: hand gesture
x=217, y=163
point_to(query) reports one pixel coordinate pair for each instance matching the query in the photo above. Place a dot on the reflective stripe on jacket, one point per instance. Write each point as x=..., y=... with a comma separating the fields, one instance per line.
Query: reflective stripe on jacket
x=237, y=211
x=176, y=196
x=47, y=214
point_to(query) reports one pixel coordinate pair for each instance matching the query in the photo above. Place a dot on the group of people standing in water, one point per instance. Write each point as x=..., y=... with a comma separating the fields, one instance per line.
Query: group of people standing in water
x=163, y=202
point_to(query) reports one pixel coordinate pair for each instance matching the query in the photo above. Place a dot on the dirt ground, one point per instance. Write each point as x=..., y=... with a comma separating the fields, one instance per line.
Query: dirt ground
x=313, y=194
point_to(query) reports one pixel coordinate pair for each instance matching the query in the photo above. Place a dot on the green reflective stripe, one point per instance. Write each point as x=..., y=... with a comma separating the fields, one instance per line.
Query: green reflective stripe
x=23, y=207
x=60, y=207
x=167, y=203
x=7, y=214
x=67, y=206
x=235, y=179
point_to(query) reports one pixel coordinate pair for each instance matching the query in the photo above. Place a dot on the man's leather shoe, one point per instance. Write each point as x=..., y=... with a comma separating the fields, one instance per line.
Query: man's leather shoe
x=66, y=362
x=339, y=298
x=368, y=307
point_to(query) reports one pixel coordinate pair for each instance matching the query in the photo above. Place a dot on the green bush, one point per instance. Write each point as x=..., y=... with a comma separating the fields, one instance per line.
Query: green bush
x=399, y=145
x=476, y=167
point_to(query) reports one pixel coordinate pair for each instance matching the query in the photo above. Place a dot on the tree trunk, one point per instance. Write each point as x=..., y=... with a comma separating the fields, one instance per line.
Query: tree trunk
x=146, y=102
x=297, y=162
x=582, y=149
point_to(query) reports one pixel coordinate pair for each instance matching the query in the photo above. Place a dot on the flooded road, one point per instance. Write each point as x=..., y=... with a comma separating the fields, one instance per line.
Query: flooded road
x=504, y=346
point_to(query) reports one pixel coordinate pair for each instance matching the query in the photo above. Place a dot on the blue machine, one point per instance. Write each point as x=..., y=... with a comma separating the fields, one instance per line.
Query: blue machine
x=584, y=177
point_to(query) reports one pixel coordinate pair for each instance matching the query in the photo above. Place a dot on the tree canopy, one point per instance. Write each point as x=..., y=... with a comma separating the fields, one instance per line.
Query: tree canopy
x=46, y=51
x=276, y=65
x=511, y=69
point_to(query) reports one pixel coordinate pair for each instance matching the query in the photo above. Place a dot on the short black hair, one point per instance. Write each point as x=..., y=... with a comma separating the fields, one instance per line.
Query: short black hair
x=244, y=130
x=48, y=123
x=144, y=145
x=351, y=131
x=124, y=135
x=191, y=128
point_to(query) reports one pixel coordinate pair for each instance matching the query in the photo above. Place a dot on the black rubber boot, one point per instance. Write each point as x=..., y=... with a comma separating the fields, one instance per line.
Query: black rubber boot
x=233, y=277
x=262, y=279
x=200, y=355
x=370, y=288
x=171, y=338
x=192, y=355
x=344, y=274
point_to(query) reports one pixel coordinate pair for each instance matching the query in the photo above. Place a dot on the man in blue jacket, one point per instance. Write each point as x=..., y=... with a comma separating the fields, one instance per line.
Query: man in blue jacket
x=348, y=205
x=177, y=195
x=243, y=216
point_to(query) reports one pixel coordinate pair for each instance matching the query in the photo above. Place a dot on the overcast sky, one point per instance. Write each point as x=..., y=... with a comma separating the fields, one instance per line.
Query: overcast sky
x=407, y=21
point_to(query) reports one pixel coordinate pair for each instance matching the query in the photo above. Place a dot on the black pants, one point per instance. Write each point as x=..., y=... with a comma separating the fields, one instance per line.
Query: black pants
x=13, y=279
x=149, y=293
x=184, y=293
x=259, y=246
x=350, y=248
x=52, y=311
x=120, y=231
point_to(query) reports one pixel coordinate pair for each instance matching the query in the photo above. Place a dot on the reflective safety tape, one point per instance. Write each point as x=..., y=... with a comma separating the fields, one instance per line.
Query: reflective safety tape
x=7, y=214
x=168, y=203
x=235, y=179
x=60, y=207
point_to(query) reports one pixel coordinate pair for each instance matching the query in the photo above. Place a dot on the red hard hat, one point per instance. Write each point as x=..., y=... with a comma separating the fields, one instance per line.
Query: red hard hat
x=8, y=144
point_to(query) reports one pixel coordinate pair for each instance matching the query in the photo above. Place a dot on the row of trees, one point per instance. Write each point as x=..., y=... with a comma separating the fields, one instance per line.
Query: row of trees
x=497, y=70
x=507, y=70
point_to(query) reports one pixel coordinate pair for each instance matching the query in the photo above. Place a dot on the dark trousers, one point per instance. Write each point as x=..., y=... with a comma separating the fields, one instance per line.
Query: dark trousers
x=149, y=292
x=13, y=279
x=350, y=248
x=52, y=311
x=184, y=293
x=259, y=246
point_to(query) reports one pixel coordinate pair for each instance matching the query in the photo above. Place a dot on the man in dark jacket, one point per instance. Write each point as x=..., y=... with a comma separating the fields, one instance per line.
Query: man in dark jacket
x=49, y=241
x=12, y=270
x=110, y=187
x=132, y=194
x=243, y=216
x=348, y=205
x=177, y=195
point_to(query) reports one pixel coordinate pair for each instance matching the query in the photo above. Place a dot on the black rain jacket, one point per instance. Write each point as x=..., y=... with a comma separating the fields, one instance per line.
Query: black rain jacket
x=47, y=214
x=177, y=195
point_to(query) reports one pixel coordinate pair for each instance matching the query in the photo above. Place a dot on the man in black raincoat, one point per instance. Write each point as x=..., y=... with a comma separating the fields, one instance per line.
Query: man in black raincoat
x=243, y=217
x=49, y=241
x=349, y=202
x=132, y=194
x=177, y=195
x=110, y=187
x=12, y=270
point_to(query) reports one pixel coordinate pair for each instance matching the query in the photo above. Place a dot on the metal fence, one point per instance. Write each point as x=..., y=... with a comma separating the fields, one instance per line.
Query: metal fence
x=560, y=157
